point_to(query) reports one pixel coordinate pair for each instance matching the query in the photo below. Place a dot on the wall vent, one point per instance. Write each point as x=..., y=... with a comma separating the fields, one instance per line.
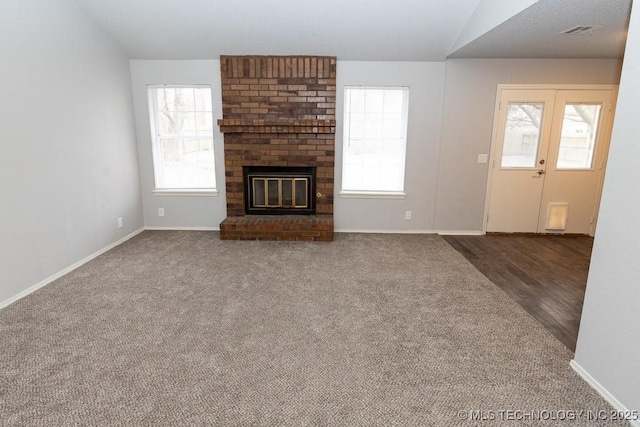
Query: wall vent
x=581, y=30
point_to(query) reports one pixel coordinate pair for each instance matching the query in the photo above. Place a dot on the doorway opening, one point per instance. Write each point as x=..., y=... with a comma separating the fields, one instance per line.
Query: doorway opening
x=548, y=154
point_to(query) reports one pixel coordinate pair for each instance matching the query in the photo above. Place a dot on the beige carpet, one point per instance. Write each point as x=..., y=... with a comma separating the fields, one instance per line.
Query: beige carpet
x=179, y=328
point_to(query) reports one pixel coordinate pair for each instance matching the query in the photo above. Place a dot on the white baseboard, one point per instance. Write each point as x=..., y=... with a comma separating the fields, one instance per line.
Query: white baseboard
x=344, y=230
x=182, y=228
x=440, y=232
x=67, y=270
x=349, y=230
x=617, y=405
x=460, y=232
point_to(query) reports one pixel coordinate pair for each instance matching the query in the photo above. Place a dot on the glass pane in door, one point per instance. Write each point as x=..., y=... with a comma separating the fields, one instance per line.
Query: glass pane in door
x=522, y=135
x=577, y=141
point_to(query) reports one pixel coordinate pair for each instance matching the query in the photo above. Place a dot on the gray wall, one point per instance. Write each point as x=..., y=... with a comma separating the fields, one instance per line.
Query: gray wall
x=180, y=211
x=426, y=82
x=470, y=93
x=68, y=163
x=608, y=345
x=450, y=123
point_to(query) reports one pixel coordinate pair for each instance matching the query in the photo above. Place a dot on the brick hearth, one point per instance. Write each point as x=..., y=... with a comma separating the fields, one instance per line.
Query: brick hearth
x=278, y=111
x=278, y=227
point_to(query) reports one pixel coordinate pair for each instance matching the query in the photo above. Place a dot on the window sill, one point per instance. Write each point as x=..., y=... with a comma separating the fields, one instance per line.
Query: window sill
x=191, y=193
x=373, y=195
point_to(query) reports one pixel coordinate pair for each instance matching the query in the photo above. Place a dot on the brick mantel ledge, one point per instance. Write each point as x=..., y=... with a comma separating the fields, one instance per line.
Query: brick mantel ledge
x=277, y=126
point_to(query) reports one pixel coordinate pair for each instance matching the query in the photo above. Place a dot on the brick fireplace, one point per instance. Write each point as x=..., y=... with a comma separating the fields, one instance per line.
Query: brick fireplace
x=278, y=116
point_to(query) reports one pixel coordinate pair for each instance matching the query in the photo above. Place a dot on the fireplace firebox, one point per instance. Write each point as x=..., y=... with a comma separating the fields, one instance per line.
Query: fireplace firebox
x=279, y=190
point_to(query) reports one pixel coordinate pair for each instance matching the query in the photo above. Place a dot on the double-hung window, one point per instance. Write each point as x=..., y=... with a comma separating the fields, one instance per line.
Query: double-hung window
x=182, y=133
x=374, y=140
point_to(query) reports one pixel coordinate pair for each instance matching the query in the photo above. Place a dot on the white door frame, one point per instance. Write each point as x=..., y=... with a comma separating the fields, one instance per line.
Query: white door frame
x=495, y=132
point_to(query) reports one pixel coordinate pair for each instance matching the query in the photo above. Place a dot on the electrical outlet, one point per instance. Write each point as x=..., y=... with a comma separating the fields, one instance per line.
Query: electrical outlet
x=160, y=211
x=120, y=222
x=407, y=215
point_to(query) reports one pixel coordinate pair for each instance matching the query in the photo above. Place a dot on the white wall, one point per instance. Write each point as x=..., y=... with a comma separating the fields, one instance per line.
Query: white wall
x=608, y=343
x=180, y=211
x=68, y=162
x=470, y=93
x=426, y=83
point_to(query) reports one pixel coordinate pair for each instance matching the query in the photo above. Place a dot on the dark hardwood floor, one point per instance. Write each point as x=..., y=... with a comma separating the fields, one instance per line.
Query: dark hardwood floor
x=546, y=275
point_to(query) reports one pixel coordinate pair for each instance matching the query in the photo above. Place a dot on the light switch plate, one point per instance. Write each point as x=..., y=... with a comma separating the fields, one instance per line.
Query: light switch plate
x=483, y=158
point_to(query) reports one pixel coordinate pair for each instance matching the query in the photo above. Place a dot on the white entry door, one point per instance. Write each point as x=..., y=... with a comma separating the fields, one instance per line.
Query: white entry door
x=548, y=159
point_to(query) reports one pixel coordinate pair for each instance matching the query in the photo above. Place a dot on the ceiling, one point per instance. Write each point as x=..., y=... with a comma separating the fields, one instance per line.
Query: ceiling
x=366, y=30
x=533, y=33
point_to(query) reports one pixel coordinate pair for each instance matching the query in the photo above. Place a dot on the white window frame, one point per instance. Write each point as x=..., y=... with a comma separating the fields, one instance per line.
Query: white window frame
x=377, y=194
x=156, y=151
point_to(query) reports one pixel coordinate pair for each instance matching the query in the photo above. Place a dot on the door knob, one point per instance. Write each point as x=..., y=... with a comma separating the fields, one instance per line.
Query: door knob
x=541, y=171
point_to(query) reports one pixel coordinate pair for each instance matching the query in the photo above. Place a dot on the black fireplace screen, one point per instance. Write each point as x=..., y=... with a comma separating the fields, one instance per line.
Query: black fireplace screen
x=279, y=190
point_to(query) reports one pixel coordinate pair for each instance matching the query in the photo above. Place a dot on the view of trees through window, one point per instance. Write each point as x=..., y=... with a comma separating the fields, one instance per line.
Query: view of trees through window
x=579, y=131
x=577, y=140
x=522, y=135
x=183, y=137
